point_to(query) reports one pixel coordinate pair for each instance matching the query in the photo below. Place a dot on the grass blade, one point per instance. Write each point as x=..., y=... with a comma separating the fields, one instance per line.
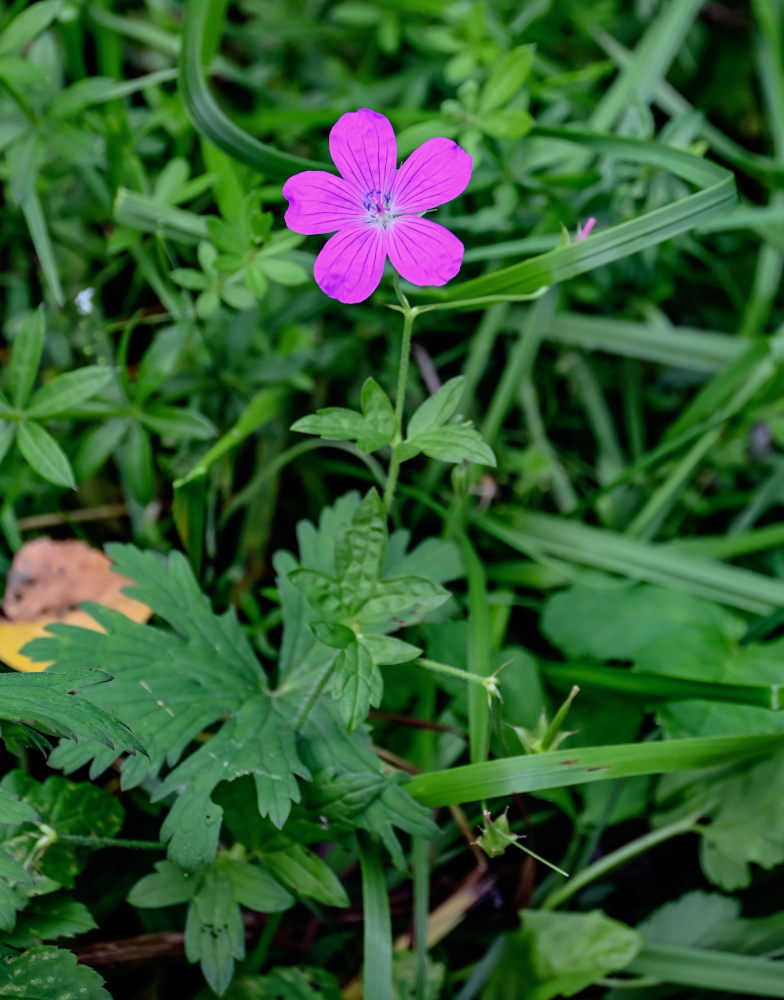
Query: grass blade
x=562, y=768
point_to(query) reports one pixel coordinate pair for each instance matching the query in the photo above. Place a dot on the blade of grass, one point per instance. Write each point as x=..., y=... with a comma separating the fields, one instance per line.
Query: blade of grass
x=716, y=197
x=207, y=117
x=745, y=975
x=377, y=970
x=563, y=768
x=658, y=687
x=601, y=549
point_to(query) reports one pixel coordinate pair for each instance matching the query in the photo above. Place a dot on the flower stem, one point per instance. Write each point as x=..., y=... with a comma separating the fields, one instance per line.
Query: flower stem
x=490, y=684
x=618, y=858
x=409, y=313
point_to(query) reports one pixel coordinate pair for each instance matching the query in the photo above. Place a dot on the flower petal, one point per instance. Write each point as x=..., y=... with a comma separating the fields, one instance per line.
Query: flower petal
x=362, y=144
x=351, y=263
x=437, y=171
x=422, y=251
x=320, y=203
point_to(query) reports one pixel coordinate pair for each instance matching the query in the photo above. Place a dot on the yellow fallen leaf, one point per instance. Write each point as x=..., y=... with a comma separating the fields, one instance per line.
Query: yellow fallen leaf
x=46, y=582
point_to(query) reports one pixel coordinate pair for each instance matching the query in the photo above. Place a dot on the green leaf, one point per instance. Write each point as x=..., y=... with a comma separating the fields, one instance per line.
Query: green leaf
x=26, y=356
x=45, y=973
x=27, y=24
x=560, y=954
x=560, y=768
x=14, y=811
x=257, y=740
x=255, y=887
x=506, y=79
x=171, y=687
x=296, y=983
x=306, y=874
x=50, y=918
x=386, y=649
x=403, y=601
x=357, y=684
x=55, y=703
x=437, y=409
x=710, y=970
x=168, y=886
x=7, y=432
x=746, y=817
x=43, y=454
x=214, y=935
x=179, y=422
x=207, y=117
x=69, y=808
x=67, y=390
x=359, y=552
x=262, y=409
x=334, y=636
x=97, y=446
x=323, y=593
x=372, y=429
x=455, y=443
x=138, y=464
x=710, y=920
x=284, y=272
x=507, y=124
x=717, y=195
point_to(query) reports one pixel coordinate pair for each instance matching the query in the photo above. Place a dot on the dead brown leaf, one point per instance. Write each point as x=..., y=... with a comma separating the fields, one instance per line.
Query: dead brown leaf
x=46, y=583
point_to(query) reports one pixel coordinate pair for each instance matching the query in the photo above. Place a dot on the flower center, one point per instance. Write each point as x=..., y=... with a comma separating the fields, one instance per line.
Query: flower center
x=378, y=206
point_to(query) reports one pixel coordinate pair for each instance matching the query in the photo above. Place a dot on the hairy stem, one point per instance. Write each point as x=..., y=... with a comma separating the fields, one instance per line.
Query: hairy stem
x=409, y=313
x=618, y=858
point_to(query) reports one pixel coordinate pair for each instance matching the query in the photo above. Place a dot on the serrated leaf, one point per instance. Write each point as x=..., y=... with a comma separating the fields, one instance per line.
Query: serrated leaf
x=359, y=552
x=455, y=443
x=49, y=701
x=323, y=593
x=45, y=973
x=26, y=352
x=357, y=684
x=437, y=409
x=350, y=790
x=50, y=918
x=75, y=808
x=167, y=886
x=257, y=740
x=214, y=935
x=43, y=454
x=306, y=874
x=66, y=390
x=371, y=429
x=296, y=983
x=14, y=811
x=402, y=601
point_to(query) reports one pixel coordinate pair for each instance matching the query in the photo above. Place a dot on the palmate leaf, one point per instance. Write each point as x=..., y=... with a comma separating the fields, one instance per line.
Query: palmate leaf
x=214, y=934
x=50, y=702
x=45, y=973
x=356, y=600
x=169, y=687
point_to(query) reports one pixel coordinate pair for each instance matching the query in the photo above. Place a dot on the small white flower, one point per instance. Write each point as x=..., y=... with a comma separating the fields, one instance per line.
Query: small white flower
x=84, y=301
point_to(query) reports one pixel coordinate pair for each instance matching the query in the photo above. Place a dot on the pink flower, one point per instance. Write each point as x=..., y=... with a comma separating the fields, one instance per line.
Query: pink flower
x=375, y=210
